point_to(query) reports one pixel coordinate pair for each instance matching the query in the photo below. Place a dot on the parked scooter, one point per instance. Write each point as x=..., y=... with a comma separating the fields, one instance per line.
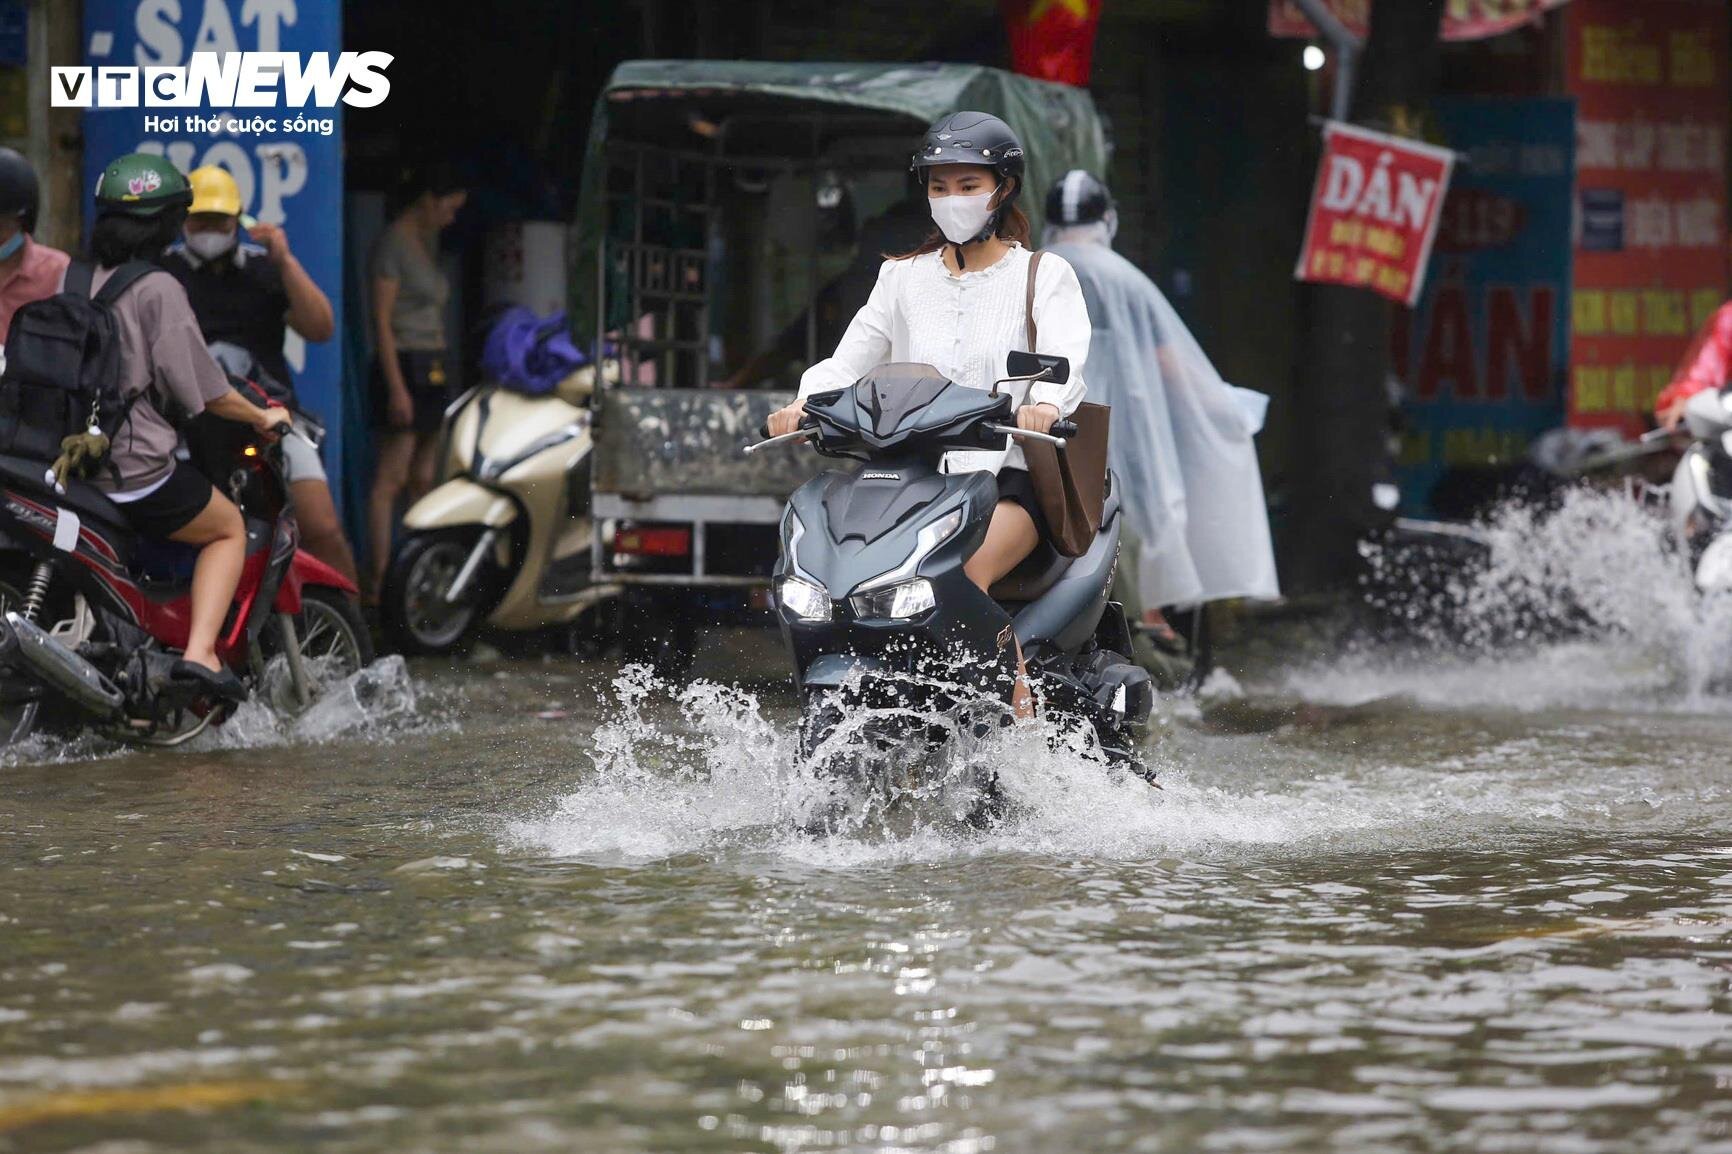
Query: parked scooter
x=92, y=616
x=1701, y=491
x=875, y=606
x=505, y=540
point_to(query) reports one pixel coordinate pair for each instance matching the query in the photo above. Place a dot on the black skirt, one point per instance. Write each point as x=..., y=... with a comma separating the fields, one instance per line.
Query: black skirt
x=1016, y=485
x=172, y=506
x=431, y=389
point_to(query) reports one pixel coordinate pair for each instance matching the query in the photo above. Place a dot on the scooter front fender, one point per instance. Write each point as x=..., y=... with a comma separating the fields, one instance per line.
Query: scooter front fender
x=832, y=670
x=459, y=502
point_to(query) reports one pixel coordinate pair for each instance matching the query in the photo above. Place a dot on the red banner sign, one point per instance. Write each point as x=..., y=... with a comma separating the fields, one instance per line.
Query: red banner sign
x=1052, y=39
x=1651, y=90
x=1462, y=19
x=1374, y=212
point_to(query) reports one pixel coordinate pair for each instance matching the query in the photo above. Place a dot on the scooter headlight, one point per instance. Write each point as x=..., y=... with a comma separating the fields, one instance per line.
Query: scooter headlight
x=804, y=599
x=896, y=603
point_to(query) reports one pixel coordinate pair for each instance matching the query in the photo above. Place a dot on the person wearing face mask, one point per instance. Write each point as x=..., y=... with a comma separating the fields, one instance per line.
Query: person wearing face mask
x=250, y=294
x=958, y=302
x=29, y=271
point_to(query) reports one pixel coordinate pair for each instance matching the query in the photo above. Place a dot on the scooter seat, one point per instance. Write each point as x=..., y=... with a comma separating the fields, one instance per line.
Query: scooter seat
x=81, y=497
x=1033, y=575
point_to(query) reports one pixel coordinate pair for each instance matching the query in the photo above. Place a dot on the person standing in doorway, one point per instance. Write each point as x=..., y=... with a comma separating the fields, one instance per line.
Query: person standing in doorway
x=413, y=379
x=28, y=271
x=250, y=294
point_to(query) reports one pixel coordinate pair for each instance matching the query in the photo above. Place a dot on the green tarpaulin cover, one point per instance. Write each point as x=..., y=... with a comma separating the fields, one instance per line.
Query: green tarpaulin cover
x=1056, y=122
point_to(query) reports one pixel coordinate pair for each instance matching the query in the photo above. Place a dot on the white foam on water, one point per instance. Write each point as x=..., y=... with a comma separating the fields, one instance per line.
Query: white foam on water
x=1588, y=604
x=380, y=700
x=701, y=769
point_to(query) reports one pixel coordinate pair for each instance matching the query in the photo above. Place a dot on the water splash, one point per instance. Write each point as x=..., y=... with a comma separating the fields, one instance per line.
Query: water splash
x=381, y=700
x=709, y=769
x=1585, y=602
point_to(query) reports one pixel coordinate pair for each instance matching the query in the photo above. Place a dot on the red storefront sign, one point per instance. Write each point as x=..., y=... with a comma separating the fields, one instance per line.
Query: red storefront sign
x=1374, y=212
x=1651, y=88
x=1462, y=19
x=1052, y=39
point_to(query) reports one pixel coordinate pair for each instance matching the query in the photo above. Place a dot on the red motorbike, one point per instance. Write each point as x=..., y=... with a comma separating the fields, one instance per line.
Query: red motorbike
x=92, y=617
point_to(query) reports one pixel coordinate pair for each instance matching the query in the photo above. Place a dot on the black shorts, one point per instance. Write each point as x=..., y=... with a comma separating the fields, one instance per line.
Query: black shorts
x=1016, y=485
x=172, y=506
x=431, y=387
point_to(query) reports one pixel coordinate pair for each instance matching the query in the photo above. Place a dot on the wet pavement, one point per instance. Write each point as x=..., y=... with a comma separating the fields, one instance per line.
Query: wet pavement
x=1380, y=904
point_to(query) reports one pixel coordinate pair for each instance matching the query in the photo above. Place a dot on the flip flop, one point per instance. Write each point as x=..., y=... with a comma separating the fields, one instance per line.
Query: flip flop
x=222, y=683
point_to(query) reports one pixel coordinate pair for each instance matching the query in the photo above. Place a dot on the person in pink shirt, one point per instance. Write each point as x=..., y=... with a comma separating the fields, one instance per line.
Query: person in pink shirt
x=1707, y=365
x=28, y=271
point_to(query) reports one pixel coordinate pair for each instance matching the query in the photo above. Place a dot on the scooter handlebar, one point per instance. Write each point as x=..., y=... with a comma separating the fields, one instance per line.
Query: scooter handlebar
x=804, y=432
x=1065, y=429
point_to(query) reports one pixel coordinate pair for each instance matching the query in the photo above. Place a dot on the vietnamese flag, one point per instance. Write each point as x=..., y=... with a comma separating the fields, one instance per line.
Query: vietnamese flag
x=1052, y=39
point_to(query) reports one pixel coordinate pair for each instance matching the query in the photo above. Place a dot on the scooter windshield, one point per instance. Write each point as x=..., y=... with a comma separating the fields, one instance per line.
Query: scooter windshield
x=907, y=408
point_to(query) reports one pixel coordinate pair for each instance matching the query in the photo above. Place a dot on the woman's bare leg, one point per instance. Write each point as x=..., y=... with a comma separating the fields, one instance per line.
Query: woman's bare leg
x=221, y=538
x=424, y=465
x=321, y=532
x=1009, y=539
x=390, y=477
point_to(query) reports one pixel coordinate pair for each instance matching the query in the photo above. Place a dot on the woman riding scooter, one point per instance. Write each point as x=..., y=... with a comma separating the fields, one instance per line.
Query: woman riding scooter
x=141, y=202
x=958, y=302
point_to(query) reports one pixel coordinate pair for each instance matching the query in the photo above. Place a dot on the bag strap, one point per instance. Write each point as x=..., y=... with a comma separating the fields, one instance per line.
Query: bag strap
x=79, y=274
x=124, y=278
x=1033, y=331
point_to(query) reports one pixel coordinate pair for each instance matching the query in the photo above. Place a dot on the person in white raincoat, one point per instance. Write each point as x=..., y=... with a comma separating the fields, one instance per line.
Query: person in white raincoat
x=1181, y=440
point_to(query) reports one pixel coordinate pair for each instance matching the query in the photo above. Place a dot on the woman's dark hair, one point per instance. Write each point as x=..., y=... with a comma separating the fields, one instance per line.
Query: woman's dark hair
x=1012, y=225
x=432, y=178
x=116, y=237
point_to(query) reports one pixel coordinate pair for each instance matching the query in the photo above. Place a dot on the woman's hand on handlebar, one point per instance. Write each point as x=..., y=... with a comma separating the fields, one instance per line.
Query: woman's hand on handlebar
x=787, y=420
x=273, y=422
x=1037, y=418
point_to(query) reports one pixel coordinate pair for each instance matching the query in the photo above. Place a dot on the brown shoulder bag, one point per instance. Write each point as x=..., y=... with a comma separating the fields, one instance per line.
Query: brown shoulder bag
x=1071, y=484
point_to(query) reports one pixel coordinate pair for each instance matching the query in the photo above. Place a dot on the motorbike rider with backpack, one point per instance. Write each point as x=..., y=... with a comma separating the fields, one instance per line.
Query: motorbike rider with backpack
x=248, y=294
x=958, y=302
x=141, y=202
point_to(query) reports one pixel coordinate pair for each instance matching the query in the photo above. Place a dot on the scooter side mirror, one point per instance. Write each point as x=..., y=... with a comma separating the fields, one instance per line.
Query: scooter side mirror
x=1023, y=365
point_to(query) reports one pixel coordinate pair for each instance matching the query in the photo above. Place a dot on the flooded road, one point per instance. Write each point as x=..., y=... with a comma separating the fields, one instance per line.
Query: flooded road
x=1376, y=907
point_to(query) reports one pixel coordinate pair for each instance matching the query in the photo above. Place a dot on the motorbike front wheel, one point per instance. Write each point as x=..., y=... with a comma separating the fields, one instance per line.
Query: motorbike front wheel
x=333, y=643
x=417, y=619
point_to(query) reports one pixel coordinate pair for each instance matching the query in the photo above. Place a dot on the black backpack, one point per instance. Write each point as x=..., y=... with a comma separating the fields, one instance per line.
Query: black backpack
x=63, y=365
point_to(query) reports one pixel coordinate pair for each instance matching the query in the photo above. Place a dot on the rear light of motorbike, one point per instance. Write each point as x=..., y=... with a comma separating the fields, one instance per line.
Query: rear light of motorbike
x=670, y=541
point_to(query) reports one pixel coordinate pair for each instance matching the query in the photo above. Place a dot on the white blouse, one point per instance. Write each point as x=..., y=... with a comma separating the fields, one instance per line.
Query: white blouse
x=964, y=326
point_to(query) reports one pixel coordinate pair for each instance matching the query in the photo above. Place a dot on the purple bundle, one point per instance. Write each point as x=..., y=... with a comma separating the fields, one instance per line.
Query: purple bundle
x=530, y=354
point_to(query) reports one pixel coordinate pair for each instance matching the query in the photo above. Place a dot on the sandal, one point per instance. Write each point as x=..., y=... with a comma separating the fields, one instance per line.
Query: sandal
x=222, y=683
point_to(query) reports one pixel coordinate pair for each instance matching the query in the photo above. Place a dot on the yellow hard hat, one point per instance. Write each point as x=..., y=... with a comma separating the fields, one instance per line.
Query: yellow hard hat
x=214, y=190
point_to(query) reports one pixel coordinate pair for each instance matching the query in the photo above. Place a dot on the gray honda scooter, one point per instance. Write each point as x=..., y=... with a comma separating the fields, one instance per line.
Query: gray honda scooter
x=883, y=622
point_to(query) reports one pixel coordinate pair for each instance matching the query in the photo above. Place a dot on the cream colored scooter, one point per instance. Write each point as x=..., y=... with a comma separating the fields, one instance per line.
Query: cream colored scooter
x=505, y=539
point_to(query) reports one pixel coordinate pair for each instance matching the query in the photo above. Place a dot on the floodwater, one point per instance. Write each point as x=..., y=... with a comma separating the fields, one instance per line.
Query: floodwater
x=1383, y=902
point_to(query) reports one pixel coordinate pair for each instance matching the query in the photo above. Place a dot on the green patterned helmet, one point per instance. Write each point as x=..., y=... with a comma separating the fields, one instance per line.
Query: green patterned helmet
x=139, y=184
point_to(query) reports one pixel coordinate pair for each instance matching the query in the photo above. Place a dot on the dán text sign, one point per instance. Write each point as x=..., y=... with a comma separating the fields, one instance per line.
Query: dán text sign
x=1374, y=212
